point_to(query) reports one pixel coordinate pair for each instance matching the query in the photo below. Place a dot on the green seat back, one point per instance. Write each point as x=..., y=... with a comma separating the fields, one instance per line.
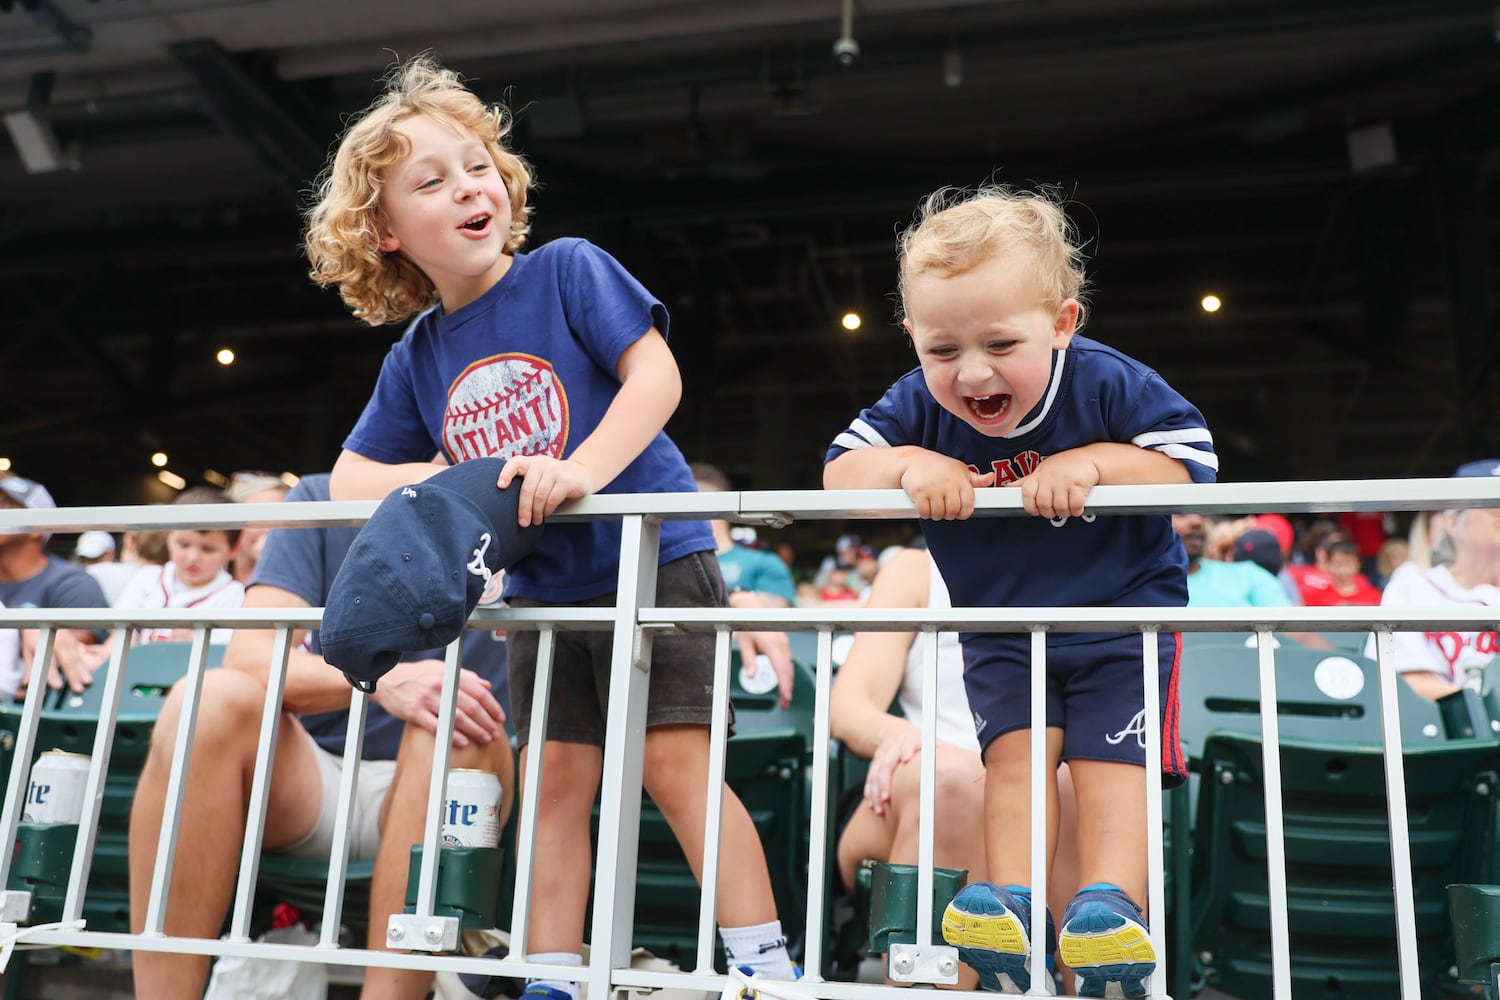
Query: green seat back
x=1341, y=908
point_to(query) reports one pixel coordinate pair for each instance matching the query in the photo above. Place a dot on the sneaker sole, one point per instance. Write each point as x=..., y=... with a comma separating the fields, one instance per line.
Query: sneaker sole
x=1103, y=947
x=993, y=944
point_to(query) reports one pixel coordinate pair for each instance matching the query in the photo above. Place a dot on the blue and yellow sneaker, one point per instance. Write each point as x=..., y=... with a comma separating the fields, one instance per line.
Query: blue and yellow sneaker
x=991, y=928
x=1105, y=941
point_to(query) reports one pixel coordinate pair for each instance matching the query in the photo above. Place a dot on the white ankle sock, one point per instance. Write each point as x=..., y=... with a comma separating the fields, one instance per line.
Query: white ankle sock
x=761, y=947
x=557, y=958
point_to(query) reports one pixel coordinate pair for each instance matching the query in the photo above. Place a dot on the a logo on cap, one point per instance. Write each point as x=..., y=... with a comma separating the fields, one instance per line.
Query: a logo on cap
x=407, y=491
x=504, y=406
x=476, y=565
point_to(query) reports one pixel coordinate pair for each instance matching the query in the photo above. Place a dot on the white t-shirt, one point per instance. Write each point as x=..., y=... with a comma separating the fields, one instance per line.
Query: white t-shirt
x=1446, y=654
x=954, y=720
x=158, y=587
x=12, y=670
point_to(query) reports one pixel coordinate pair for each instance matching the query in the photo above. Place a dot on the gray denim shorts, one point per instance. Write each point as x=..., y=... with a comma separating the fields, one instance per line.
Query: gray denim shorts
x=682, y=666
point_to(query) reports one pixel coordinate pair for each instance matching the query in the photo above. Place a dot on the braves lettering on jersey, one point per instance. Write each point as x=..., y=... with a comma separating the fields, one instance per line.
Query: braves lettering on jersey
x=528, y=368
x=1449, y=655
x=1095, y=394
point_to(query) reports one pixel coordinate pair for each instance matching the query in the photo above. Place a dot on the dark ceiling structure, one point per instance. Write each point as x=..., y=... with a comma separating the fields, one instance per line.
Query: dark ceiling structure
x=1326, y=167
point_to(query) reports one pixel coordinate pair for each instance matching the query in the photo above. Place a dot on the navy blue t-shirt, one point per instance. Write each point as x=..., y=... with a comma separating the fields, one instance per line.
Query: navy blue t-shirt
x=529, y=368
x=305, y=562
x=1094, y=394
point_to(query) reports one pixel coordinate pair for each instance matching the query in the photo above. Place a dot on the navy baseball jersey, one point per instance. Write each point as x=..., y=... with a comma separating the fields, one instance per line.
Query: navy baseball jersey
x=1094, y=394
x=528, y=368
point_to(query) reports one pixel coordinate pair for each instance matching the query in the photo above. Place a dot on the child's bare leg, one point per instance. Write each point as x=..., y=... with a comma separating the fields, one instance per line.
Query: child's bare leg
x=564, y=851
x=990, y=922
x=1104, y=934
x=1007, y=805
x=675, y=774
x=1111, y=825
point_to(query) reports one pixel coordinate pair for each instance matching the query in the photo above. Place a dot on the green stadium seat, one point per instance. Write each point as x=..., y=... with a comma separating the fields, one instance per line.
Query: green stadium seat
x=1341, y=907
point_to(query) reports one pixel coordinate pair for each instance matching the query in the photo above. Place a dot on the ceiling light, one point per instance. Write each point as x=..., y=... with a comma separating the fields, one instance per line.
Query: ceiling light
x=845, y=48
x=159, y=459
x=291, y=479
x=216, y=477
x=851, y=321
x=4, y=465
x=172, y=479
x=225, y=357
x=1211, y=303
x=953, y=68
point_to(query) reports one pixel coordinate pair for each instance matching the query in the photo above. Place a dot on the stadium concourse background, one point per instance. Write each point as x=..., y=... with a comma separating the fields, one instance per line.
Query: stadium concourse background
x=1325, y=167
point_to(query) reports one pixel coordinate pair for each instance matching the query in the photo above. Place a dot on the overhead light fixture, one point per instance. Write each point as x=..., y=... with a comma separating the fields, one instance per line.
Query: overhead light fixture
x=1211, y=303
x=172, y=479
x=33, y=136
x=159, y=459
x=1371, y=147
x=291, y=479
x=953, y=68
x=225, y=357
x=216, y=477
x=4, y=465
x=845, y=48
x=35, y=141
x=851, y=321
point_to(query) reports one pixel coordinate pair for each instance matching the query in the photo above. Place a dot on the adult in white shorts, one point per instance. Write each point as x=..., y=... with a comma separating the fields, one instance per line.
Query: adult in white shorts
x=296, y=569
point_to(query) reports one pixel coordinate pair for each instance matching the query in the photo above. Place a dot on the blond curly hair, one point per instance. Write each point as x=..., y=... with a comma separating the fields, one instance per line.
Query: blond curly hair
x=957, y=229
x=342, y=238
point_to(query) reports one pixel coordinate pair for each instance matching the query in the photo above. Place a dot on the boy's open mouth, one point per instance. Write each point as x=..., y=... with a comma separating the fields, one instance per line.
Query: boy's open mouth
x=989, y=409
x=477, y=224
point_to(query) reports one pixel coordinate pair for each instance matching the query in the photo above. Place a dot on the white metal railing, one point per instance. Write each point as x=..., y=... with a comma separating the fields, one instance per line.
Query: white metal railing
x=634, y=621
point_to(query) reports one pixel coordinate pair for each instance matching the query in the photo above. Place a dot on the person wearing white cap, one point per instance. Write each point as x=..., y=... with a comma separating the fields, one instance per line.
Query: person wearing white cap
x=30, y=578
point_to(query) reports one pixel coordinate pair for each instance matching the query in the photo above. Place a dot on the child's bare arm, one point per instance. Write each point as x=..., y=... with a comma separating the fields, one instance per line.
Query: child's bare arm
x=356, y=477
x=1061, y=482
x=940, y=487
x=650, y=388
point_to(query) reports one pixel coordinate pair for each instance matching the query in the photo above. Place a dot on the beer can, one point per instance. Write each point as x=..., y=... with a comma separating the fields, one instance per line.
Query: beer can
x=55, y=793
x=471, y=809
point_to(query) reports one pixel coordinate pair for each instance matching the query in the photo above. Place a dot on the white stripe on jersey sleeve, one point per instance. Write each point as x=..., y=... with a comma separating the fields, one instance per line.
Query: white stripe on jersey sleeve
x=1152, y=438
x=1182, y=453
x=850, y=442
x=870, y=434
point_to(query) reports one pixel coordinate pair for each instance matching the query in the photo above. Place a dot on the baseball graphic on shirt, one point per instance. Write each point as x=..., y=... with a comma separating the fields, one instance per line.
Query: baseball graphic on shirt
x=503, y=406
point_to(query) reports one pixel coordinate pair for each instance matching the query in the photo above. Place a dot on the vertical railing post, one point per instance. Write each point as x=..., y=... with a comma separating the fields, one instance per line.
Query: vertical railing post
x=531, y=785
x=1156, y=903
x=260, y=786
x=817, y=865
x=1040, y=978
x=20, y=768
x=624, y=752
x=1270, y=751
x=713, y=822
x=1395, y=799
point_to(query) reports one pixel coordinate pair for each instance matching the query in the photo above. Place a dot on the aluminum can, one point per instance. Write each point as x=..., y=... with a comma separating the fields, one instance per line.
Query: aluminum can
x=471, y=809
x=55, y=793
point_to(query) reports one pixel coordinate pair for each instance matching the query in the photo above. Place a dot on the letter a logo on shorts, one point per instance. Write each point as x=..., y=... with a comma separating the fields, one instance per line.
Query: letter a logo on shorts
x=1137, y=727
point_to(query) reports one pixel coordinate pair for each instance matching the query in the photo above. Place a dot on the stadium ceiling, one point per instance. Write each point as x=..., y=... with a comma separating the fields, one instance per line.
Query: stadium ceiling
x=1326, y=167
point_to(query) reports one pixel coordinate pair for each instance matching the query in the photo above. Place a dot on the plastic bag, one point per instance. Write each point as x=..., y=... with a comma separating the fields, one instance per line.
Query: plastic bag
x=238, y=978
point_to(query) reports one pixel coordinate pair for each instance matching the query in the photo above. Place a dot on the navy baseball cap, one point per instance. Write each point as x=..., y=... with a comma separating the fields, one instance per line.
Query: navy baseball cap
x=418, y=567
x=1483, y=467
x=1260, y=547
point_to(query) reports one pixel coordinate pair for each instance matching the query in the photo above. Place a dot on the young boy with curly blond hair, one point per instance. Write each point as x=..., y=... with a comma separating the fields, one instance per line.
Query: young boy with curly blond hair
x=1008, y=394
x=556, y=360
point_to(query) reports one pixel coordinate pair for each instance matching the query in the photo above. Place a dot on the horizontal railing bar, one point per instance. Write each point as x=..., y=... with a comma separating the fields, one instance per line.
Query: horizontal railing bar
x=1411, y=618
x=594, y=619
x=757, y=505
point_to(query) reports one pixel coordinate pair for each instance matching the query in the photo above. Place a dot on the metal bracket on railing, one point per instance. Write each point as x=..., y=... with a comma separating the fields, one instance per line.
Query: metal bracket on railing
x=15, y=906
x=770, y=518
x=410, y=932
x=934, y=964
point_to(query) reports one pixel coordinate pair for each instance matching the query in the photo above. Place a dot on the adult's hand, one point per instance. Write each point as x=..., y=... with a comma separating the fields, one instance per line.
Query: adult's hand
x=889, y=755
x=412, y=692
